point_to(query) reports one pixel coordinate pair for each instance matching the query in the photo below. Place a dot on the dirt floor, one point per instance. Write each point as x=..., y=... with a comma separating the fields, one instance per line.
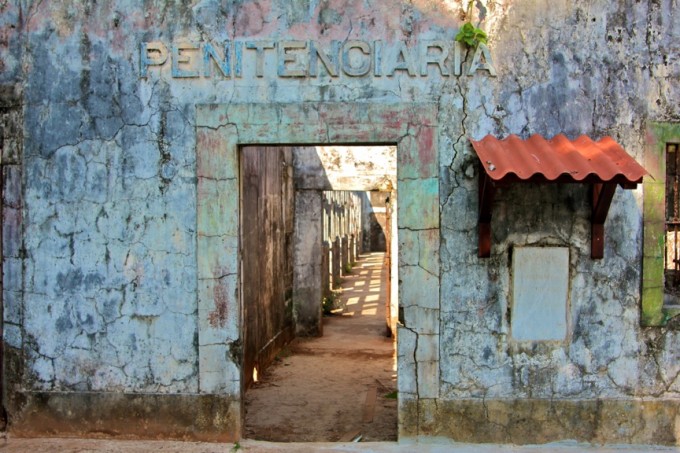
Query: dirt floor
x=339, y=386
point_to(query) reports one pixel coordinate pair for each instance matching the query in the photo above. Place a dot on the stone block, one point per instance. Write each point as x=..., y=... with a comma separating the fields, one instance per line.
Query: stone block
x=13, y=309
x=218, y=207
x=654, y=239
x=301, y=114
x=428, y=348
x=217, y=373
x=12, y=336
x=422, y=320
x=417, y=155
x=264, y=114
x=218, y=310
x=11, y=150
x=655, y=194
x=418, y=287
x=11, y=195
x=418, y=207
x=428, y=250
x=301, y=133
x=12, y=275
x=408, y=381
x=406, y=346
x=406, y=366
x=428, y=379
x=652, y=271
x=262, y=133
x=11, y=232
x=220, y=160
x=213, y=115
x=217, y=256
x=429, y=417
x=408, y=419
x=409, y=247
x=354, y=133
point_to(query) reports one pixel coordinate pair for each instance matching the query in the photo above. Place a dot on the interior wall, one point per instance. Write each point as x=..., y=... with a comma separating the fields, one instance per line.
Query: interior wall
x=375, y=221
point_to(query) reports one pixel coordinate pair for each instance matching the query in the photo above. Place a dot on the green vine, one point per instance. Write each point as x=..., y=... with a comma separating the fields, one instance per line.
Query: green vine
x=469, y=34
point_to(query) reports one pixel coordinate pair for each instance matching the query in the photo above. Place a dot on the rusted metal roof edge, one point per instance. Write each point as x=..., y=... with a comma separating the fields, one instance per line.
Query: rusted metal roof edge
x=558, y=159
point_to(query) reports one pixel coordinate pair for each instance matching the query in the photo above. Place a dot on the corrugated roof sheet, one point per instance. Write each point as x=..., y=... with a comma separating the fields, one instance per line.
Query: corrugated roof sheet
x=557, y=160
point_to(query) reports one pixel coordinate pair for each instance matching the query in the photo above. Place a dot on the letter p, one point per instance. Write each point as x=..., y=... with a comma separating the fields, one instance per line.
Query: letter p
x=151, y=54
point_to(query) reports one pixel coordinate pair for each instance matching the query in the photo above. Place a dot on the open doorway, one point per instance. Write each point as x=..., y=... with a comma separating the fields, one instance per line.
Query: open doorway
x=221, y=131
x=318, y=235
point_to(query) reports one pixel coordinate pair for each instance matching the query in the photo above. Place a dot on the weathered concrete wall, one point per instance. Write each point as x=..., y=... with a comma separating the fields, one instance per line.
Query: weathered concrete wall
x=120, y=275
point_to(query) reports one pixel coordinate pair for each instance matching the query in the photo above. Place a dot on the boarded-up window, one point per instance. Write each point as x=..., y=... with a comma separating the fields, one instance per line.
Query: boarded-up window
x=540, y=291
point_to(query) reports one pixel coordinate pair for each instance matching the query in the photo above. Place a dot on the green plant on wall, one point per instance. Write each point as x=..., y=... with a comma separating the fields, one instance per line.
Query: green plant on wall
x=348, y=268
x=330, y=303
x=469, y=34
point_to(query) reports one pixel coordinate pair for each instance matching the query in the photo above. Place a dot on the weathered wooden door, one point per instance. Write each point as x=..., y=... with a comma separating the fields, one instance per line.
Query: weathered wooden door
x=267, y=211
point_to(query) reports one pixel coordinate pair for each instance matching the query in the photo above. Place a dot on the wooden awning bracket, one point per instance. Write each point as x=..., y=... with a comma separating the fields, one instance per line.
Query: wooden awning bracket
x=487, y=191
x=602, y=195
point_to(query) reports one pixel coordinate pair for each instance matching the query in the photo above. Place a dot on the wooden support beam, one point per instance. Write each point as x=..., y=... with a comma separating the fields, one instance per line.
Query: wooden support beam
x=487, y=190
x=602, y=199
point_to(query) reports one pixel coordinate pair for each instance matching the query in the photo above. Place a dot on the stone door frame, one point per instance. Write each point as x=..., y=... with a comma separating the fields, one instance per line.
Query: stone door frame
x=220, y=130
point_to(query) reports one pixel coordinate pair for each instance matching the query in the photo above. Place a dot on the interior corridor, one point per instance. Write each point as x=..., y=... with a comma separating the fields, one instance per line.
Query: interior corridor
x=339, y=386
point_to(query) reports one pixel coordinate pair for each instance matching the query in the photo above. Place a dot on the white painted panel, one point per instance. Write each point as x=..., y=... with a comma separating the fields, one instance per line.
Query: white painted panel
x=539, y=293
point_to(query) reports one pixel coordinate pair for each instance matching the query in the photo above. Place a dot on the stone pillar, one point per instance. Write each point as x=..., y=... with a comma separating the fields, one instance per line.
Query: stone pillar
x=335, y=257
x=325, y=270
x=352, y=256
x=307, y=292
x=344, y=258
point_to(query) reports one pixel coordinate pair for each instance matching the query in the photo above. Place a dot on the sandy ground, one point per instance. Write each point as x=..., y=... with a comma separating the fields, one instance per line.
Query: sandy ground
x=323, y=389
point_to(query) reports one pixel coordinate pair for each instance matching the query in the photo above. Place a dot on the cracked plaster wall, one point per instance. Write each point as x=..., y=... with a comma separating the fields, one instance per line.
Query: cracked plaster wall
x=109, y=288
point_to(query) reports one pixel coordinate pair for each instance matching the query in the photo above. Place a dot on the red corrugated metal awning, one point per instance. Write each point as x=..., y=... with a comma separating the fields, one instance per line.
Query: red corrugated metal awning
x=603, y=163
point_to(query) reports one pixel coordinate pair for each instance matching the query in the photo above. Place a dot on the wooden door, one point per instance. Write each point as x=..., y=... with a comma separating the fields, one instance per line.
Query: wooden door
x=267, y=209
